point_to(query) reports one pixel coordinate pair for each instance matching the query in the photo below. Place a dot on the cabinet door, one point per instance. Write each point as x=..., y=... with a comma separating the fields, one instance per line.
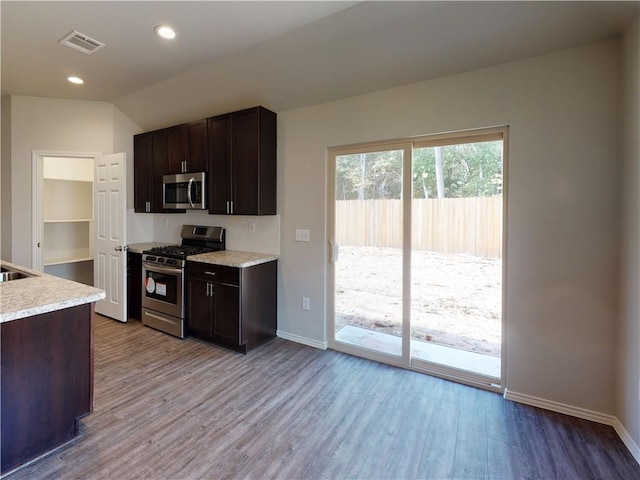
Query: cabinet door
x=200, y=316
x=177, y=149
x=219, y=163
x=158, y=168
x=254, y=162
x=226, y=301
x=142, y=155
x=134, y=286
x=245, y=172
x=197, y=159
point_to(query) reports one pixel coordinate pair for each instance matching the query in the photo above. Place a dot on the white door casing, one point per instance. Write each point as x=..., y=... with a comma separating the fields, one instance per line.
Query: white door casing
x=110, y=256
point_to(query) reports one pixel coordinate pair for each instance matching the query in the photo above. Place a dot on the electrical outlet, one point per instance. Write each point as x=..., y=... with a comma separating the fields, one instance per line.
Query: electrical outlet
x=306, y=303
x=252, y=226
x=302, y=235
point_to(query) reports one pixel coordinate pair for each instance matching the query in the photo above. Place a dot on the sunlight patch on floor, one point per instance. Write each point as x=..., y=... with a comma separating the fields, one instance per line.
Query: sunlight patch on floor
x=421, y=350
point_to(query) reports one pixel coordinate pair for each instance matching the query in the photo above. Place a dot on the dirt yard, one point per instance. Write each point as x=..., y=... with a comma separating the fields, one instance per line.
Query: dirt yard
x=455, y=298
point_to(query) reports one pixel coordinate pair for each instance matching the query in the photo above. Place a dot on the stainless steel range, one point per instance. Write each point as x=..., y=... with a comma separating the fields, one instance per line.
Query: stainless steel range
x=163, y=277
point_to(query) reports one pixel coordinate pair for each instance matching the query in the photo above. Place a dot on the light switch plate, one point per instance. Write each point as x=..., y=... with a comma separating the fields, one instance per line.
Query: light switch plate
x=302, y=235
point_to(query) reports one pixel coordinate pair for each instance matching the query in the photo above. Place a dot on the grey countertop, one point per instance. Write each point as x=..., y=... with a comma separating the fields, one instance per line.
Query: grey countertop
x=41, y=293
x=233, y=258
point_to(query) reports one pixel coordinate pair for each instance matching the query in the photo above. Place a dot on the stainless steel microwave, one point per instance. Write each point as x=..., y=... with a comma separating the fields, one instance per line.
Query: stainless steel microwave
x=185, y=191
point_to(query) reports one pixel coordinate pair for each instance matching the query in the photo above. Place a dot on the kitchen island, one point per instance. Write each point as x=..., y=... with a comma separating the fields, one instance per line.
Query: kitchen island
x=46, y=357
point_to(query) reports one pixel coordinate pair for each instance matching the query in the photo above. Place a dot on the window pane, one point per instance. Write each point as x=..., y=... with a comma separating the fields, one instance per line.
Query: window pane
x=368, y=230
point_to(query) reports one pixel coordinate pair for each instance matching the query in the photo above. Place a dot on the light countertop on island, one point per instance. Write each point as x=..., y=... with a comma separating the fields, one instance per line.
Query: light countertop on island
x=233, y=258
x=41, y=293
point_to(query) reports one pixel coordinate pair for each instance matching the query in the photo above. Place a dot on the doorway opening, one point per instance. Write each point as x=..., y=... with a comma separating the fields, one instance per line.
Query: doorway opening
x=79, y=222
x=64, y=216
x=416, y=247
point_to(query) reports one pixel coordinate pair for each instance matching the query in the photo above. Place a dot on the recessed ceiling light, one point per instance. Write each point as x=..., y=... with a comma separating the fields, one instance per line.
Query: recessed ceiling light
x=165, y=31
x=76, y=80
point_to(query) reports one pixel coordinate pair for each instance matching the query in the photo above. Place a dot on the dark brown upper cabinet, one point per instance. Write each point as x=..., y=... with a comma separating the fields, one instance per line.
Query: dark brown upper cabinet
x=197, y=157
x=178, y=149
x=242, y=163
x=150, y=163
x=188, y=147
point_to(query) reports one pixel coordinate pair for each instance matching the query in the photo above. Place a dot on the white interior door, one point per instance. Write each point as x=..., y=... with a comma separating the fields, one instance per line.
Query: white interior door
x=110, y=259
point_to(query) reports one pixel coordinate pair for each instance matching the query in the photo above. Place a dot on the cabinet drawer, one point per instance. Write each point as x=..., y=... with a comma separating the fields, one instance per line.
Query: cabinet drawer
x=215, y=273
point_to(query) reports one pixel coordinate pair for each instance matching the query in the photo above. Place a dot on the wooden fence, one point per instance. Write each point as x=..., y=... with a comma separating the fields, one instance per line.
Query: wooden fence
x=448, y=225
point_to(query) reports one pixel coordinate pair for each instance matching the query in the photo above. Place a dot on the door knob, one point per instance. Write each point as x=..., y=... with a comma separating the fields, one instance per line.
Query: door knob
x=118, y=248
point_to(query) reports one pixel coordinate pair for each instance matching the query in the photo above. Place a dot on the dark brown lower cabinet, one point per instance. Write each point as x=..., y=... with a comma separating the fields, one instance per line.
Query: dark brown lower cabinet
x=233, y=307
x=47, y=382
x=134, y=285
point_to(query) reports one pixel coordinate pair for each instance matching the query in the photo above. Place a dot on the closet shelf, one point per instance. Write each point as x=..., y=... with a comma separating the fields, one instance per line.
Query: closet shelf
x=70, y=220
x=61, y=261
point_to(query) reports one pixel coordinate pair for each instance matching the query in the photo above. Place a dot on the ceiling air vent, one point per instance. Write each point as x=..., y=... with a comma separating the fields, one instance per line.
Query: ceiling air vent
x=81, y=42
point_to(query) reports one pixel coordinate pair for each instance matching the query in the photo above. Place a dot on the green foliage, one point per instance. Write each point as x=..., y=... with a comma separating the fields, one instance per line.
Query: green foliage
x=368, y=176
x=469, y=170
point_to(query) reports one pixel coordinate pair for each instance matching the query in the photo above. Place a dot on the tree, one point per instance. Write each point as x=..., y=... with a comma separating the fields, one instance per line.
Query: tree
x=464, y=170
x=369, y=175
x=469, y=170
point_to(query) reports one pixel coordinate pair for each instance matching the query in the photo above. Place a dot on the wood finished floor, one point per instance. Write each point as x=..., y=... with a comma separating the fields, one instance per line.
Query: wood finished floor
x=183, y=409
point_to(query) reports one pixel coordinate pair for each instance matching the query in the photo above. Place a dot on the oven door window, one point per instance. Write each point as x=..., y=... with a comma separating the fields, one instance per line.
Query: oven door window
x=162, y=286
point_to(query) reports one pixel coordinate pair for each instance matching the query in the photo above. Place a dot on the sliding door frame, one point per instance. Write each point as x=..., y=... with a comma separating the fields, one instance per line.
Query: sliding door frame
x=332, y=250
x=407, y=145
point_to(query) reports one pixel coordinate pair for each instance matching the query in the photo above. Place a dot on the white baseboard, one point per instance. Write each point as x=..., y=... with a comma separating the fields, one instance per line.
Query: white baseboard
x=304, y=340
x=579, y=413
x=627, y=439
x=559, y=407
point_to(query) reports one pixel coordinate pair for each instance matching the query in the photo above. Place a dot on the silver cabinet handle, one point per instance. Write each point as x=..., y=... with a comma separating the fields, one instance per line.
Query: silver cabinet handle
x=231, y=202
x=209, y=273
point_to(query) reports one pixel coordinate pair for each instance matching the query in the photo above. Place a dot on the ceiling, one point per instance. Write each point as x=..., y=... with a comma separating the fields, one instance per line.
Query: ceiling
x=283, y=55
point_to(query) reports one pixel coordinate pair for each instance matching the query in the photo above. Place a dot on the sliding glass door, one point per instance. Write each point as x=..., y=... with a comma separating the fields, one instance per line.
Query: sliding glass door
x=367, y=254
x=415, y=253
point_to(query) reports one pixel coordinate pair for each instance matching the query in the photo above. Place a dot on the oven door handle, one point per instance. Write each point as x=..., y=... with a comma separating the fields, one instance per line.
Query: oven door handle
x=152, y=267
x=191, y=182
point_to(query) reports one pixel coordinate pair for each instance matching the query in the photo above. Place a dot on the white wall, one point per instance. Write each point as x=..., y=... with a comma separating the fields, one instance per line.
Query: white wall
x=628, y=340
x=563, y=229
x=5, y=181
x=53, y=125
x=239, y=231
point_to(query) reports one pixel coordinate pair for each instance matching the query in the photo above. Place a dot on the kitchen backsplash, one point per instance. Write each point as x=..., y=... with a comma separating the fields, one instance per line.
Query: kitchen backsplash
x=240, y=232
x=139, y=227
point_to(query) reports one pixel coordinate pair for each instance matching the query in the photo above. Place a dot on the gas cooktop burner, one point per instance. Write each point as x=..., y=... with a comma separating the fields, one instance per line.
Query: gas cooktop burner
x=195, y=240
x=178, y=251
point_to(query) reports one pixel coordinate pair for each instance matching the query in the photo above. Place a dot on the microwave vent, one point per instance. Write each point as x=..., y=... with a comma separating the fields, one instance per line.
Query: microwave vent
x=81, y=42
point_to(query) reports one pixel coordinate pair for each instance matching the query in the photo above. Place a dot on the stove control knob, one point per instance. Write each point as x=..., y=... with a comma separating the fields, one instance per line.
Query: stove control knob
x=151, y=259
x=171, y=262
x=160, y=260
